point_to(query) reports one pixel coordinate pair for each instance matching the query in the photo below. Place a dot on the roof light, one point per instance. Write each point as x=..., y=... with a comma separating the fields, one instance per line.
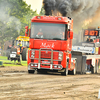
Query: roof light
x=59, y=18
x=69, y=18
x=38, y=17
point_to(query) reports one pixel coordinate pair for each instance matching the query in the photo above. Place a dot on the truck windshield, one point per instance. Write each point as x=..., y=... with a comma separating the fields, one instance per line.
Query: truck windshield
x=48, y=31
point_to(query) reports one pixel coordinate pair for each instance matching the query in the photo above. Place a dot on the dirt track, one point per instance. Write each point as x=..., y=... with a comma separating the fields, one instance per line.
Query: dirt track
x=17, y=84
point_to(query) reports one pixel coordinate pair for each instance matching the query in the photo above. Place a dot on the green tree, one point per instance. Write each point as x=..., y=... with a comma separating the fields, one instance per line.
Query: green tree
x=14, y=16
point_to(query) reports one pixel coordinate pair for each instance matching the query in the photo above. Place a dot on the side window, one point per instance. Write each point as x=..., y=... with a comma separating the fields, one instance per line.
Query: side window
x=32, y=32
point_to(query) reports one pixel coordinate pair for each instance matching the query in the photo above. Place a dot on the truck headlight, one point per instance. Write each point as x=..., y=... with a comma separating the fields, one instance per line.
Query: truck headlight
x=32, y=56
x=35, y=65
x=59, y=66
x=32, y=53
x=32, y=65
x=55, y=66
x=60, y=56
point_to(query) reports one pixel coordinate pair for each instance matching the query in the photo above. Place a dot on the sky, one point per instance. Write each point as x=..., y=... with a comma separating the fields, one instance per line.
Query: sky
x=35, y=4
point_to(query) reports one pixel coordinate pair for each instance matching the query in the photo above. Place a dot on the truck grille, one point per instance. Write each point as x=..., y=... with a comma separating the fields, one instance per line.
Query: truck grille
x=45, y=55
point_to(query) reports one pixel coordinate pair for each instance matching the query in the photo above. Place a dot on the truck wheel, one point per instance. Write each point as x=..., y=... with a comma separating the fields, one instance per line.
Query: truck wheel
x=31, y=71
x=65, y=73
x=24, y=54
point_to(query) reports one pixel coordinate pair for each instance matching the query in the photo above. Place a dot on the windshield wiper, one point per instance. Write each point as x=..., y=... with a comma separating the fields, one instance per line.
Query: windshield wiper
x=56, y=39
x=38, y=38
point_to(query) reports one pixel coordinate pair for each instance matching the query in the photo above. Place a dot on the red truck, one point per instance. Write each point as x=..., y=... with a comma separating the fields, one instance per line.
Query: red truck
x=50, y=45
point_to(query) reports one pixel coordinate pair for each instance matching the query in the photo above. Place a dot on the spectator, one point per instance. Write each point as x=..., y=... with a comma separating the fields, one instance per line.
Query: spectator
x=20, y=46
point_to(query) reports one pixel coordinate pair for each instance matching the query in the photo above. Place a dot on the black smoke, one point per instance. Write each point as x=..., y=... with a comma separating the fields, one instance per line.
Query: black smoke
x=49, y=6
x=79, y=10
x=70, y=7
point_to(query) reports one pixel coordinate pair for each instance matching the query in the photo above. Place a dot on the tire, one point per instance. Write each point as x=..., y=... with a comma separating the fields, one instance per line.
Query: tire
x=65, y=73
x=31, y=71
x=24, y=54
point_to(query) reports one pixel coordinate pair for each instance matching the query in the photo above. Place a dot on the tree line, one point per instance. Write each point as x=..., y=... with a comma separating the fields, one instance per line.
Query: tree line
x=14, y=16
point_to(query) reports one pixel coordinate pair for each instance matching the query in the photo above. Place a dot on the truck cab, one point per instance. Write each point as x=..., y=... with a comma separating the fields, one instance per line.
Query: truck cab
x=50, y=44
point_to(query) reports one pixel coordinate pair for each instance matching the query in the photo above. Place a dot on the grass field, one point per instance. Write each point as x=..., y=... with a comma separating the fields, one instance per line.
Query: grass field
x=3, y=58
x=11, y=63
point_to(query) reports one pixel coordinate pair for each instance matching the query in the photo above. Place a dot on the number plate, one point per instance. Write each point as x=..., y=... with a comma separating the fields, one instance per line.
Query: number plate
x=12, y=55
x=45, y=62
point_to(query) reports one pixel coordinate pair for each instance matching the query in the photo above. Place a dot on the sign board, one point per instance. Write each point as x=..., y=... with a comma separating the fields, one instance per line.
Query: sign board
x=83, y=49
x=91, y=32
x=88, y=44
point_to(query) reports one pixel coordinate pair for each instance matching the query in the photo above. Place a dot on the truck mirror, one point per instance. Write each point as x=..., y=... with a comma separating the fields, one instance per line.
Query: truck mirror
x=71, y=35
x=26, y=27
x=26, y=31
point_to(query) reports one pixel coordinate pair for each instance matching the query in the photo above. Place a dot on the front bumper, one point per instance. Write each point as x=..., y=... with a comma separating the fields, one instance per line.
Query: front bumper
x=45, y=66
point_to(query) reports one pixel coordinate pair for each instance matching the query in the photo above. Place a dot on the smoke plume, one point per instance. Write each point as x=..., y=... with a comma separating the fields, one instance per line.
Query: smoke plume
x=79, y=10
x=6, y=19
